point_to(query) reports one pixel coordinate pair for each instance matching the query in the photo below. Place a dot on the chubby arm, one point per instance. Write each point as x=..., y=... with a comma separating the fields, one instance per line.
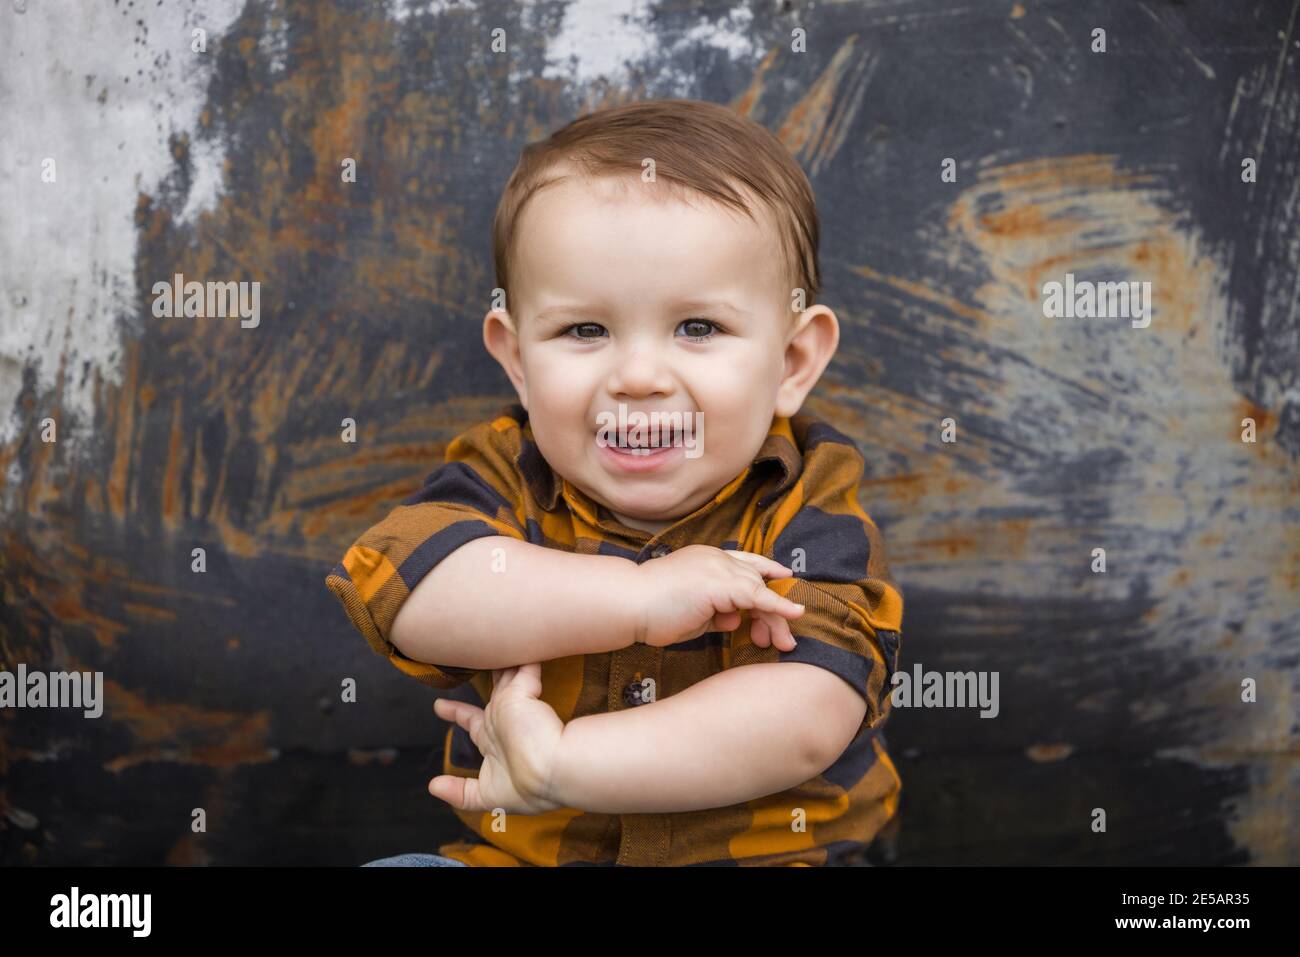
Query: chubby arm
x=740, y=734
x=477, y=609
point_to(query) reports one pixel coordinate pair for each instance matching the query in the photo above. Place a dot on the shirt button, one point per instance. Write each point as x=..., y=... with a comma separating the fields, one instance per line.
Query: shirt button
x=632, y=693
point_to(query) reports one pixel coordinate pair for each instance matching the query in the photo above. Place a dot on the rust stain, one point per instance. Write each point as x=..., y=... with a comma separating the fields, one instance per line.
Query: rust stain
x=1045, y=753
x=746, y=102
x=235, y=539
x=149, y=611
x=1030, y=218
x=40, y=492
x=186, y=734
x=951, y=547
x=37, y=461
x=198, y=481
x=191, y=850
x=1265, y=422
x=66, y=608
x=805, y=127
x=162, y=591
x=53, y=596
x=94, y=495
x=121, y=412
x=171, y=470
x=910, y=487
x=924, y=292
x=1072, y=174
x=359, y=756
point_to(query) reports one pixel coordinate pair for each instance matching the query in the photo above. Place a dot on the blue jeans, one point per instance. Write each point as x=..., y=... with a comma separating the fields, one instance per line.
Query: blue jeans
x=416, y=860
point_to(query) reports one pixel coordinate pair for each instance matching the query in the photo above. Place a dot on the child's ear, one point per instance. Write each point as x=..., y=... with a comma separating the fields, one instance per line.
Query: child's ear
x=814, y=340
x=502, y=340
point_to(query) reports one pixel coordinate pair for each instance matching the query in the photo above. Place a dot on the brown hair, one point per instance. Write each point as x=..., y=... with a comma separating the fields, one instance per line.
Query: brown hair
x=696, y=145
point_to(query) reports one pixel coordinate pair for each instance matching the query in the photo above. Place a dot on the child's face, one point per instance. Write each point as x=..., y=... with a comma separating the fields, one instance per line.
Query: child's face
x=609, y=272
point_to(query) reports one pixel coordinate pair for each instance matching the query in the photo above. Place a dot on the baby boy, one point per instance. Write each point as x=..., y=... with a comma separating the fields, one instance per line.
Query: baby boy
x=669, y=622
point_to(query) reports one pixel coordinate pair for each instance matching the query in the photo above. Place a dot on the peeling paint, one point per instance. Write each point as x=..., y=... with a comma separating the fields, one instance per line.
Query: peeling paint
x=124, y=83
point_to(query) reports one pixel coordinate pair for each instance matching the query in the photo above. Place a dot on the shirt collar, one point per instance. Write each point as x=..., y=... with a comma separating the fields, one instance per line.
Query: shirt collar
x=779, y=456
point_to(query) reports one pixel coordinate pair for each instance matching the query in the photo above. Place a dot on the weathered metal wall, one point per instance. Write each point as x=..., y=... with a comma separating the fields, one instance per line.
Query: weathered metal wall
x=1119, y=691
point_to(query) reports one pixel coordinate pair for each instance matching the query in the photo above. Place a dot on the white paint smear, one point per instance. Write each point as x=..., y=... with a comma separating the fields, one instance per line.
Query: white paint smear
x=98, y=88
x=600, y=41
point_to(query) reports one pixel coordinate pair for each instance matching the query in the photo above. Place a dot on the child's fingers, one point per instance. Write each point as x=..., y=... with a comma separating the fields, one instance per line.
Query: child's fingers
x=782, y=637
x=725, y=621
x=765, y=566
x=449, y=709
x=768, y=600
x=468, y=716
x=767, y=631
x=458, y=792
x=774, y=631
x=750, y=595
x=529, y=678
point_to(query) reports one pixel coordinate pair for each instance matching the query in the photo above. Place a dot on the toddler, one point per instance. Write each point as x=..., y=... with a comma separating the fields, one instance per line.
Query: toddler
x=669, y=623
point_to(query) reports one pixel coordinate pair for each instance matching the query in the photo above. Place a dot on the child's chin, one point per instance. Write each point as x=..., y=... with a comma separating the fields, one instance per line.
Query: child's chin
x=646, y=510
x=641, y=514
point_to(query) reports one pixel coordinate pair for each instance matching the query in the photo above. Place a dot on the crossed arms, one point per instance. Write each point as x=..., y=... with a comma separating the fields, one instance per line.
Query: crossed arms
x=740, y=734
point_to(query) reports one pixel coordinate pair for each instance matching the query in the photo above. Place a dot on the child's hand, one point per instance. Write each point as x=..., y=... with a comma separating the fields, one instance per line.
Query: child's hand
x=701, y=588
x=518, y=735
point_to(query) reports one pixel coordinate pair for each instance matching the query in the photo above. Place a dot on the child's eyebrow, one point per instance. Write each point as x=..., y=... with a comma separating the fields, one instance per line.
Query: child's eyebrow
x=575, y=312
x=709, y=305
x=588, y=312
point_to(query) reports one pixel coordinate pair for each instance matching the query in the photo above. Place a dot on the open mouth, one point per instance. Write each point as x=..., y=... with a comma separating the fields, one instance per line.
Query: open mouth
x=648, y=446
x=642, y=452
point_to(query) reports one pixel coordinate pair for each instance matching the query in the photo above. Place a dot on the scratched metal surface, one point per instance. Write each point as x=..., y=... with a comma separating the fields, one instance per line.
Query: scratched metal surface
x=1118, y=691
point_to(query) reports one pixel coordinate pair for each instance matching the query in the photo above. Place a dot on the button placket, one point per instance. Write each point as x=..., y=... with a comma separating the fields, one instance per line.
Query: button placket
x=634, y=692
x=634, y=677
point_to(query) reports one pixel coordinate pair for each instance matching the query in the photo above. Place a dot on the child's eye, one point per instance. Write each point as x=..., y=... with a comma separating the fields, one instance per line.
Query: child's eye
x=704, y=328
x=588, y=326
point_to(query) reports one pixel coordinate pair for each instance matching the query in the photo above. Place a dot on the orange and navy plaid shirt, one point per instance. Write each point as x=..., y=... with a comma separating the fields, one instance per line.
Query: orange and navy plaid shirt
x=796, y=503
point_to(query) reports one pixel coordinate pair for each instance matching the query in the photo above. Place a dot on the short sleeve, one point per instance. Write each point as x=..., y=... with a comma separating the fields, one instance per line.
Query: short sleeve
x=852, y=624
x=474, y=494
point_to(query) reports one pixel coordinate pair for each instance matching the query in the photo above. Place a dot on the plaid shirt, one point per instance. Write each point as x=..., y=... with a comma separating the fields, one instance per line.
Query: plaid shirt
x=796, y=503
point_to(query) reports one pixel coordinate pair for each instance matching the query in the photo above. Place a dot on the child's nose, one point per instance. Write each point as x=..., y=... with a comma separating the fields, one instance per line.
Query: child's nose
x=640, y=372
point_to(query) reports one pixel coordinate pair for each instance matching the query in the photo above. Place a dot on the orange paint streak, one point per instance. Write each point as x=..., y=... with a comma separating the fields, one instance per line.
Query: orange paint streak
x=171, y=470
x=122, y=403
x=909, y=489
x=185, y=733
x=149, y=611
x=924, y=293
x=67, y=609
x=1265, y=421
x=1044, y=753
x=805, y=123
x=745, y=103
